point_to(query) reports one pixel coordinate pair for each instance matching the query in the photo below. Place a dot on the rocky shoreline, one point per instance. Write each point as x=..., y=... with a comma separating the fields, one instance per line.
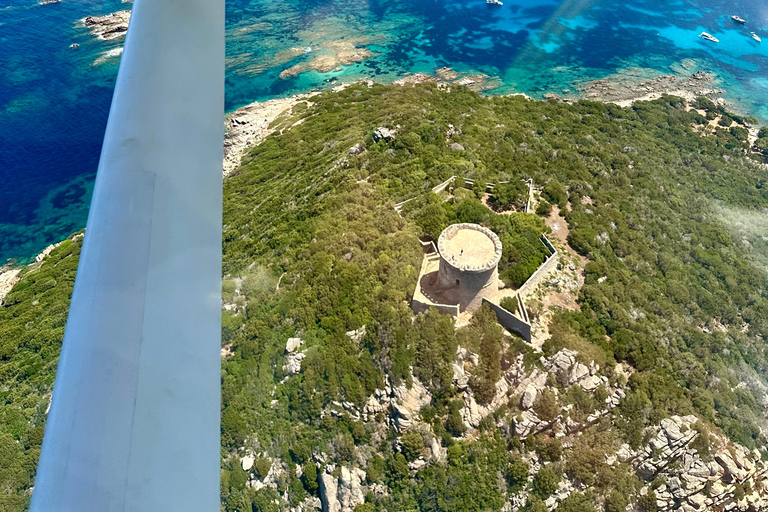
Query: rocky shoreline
x=249, y=125
x=9, y=276
x=624, y=92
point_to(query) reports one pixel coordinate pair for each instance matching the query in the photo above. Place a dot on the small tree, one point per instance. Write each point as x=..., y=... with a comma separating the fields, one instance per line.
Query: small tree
x=309, y=478
x=546, y=406
x=615, y=502
x=413, y=444
x=544, y=208
x=261, y=466
x=517, y=473
x=648, y=502
x=479, y=187
x=546, y=482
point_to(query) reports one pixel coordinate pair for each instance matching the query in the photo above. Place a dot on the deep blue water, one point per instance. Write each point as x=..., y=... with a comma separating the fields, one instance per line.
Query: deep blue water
x=54, y=100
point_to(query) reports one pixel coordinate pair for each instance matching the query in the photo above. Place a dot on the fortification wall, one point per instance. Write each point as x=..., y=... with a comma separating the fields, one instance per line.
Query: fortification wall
x=541, y=273
x=510, y=322
x=419, y=306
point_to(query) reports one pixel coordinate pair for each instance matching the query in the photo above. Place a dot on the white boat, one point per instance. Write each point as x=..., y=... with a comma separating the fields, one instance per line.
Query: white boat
x=756, y=37
x=738, y=19
x=493, y=2
x=709, y=37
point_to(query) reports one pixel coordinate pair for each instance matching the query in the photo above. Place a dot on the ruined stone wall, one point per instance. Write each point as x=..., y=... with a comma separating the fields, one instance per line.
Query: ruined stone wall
x=510, y=322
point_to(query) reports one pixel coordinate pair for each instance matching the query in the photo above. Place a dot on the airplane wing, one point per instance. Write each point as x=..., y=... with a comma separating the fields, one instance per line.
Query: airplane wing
x=134, y=420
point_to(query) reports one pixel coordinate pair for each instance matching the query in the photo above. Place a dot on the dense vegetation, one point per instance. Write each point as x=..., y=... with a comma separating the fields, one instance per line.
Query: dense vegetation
x=314, y=249
x=32, y=321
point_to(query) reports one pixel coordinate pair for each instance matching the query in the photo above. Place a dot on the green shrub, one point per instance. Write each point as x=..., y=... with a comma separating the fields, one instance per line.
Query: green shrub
x=546, y=481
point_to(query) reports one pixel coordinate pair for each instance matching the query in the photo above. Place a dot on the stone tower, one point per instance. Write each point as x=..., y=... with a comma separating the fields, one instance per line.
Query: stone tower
x=469, y=260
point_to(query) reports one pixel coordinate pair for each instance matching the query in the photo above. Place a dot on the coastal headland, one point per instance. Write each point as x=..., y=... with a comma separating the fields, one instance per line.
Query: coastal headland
x=249, y=125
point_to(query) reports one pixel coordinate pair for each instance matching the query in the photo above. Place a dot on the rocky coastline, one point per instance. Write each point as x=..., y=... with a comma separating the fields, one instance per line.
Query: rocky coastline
x=11, y=274
x=630, y=86
x=251, y=124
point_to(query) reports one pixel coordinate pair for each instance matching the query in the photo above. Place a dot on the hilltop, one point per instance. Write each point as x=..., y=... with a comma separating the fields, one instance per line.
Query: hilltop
x=642, y=386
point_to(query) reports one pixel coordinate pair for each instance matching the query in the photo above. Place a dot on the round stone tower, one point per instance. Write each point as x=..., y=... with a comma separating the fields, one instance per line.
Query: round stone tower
x=469, y=260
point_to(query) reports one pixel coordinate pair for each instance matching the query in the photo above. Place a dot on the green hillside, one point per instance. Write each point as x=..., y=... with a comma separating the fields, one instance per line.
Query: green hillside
x=674, y=289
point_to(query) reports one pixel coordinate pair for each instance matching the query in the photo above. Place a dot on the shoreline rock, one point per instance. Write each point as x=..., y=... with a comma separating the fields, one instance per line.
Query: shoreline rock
x=624, y=89
x=9, y=276
x=109, y=26
x=9, y=273
x=248, y=126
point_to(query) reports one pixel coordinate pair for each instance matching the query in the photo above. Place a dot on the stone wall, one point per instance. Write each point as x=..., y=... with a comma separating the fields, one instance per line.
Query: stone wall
x=510, y=322
x=537, y=277
x=419, y=306
x=437, y=189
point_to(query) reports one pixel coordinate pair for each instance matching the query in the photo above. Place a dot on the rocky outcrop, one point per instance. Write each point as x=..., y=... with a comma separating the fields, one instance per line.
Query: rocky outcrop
x=110, y=26
x=377, y=403
x=310, y=503
x=356, y=150
x=350, y=492
x=292, y=364
x=691, y=483
x=568, y=371
x=342, y=494
x=452, y=132
x=634, y=84
x=402, y=417
x=383, y=133
x=460, y=376
x=667, y=446
x=401, y=403
x=247, y=462
x=292, y=344
x=357, y=335
x=8, y=279
x=329, y=493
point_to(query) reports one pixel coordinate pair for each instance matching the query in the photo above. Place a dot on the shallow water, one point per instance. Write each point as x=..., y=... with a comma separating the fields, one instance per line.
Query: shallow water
x=54, y=100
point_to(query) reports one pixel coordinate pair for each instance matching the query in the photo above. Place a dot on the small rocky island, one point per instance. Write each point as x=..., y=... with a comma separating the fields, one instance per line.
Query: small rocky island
x=110, y=26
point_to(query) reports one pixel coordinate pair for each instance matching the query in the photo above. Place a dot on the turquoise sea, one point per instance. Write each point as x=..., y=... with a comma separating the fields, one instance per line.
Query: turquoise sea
x=54, y=100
